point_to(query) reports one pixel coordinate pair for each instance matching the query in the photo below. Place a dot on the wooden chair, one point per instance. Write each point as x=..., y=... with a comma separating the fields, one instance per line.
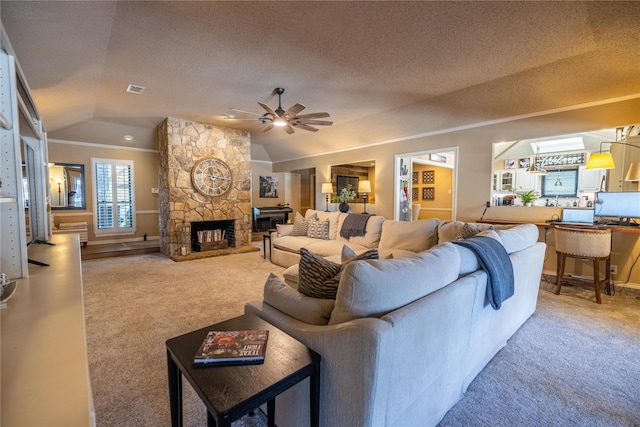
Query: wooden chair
x=586, y=244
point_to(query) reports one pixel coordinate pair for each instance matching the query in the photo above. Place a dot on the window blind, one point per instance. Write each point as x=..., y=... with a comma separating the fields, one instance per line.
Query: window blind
x=114, y=196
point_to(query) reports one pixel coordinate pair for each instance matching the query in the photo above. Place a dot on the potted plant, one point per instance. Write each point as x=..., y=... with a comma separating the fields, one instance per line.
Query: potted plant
x=527, y=197
x=344, y=197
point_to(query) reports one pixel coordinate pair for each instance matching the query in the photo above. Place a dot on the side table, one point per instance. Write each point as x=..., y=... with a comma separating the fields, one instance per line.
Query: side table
x=230, y=392
x=266, y=236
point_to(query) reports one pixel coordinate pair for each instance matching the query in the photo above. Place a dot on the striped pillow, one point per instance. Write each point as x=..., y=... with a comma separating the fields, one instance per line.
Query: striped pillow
x=318, y=229
x=313, y=271
x=300, y=226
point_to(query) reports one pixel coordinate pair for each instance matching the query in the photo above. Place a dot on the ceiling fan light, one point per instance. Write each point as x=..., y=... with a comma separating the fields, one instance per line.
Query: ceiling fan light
x=279, y=122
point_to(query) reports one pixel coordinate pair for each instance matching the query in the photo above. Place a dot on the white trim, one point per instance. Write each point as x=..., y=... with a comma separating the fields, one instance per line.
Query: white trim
x=57, y=214
x=116, y=230
x=267, y=162
x=94, y=145
x=148, y=212
x=435, y=209
x=474, y=125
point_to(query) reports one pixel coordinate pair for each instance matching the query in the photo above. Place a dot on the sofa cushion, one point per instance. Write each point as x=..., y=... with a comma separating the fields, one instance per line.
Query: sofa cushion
x=519, y=237
x=414, y=236
x=372, y=234
x=318, y=229
x=328, y=248
x=314, y=311
x=313, y=273
x=373, y=288
x=292, y=243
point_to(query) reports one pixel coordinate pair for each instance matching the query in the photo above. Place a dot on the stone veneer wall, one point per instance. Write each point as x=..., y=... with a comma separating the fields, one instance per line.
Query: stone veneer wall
x=182, y=143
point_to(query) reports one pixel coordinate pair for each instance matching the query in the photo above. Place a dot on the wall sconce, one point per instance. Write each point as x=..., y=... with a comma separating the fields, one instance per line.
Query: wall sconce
x=327, y=188
x=364, y=187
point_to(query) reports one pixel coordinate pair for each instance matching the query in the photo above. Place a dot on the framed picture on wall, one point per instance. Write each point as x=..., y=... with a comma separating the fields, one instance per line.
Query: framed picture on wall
x=343, y=181
x=268, y=187
x=510, y=164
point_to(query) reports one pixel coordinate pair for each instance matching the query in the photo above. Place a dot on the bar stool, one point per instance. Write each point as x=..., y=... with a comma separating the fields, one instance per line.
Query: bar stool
x=586, y=244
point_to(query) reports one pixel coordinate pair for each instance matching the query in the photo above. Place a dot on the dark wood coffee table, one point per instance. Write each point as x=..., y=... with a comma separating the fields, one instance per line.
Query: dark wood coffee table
x=230, y=392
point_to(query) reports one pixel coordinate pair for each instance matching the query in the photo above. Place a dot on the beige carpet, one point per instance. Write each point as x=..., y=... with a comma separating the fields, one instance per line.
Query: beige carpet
x=573, y=363
x=134, y=304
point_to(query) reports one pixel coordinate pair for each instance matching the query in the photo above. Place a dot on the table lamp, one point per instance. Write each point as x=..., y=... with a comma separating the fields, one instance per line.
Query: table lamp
x=327, y=188
x=364, y=187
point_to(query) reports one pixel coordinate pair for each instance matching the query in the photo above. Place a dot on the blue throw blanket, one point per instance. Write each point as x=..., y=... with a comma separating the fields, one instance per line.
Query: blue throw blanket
x=493, y=259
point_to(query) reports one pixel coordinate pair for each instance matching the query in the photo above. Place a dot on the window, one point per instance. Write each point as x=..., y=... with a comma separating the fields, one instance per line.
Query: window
x=561, y=183
x=113, y=197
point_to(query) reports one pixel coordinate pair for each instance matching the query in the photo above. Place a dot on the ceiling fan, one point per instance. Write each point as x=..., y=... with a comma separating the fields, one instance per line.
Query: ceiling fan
x=290, y=118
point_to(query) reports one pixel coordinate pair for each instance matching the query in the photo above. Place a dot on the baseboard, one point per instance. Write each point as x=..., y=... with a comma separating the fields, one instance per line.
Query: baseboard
x=629, y=285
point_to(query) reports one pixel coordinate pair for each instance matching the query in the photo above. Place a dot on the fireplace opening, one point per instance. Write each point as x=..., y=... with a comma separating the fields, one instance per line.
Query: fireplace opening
x=212, y=235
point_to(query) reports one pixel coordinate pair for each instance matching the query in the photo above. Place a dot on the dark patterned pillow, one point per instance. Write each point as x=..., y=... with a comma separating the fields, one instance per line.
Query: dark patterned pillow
x=313, y=271
x=318, y=229
x=300, y=226
x=349, y=256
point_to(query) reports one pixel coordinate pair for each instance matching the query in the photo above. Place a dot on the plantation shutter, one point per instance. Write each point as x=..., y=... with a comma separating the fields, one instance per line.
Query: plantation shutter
x=114, y=196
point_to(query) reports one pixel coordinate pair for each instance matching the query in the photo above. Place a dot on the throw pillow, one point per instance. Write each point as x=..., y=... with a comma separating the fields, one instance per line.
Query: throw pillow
x=318, y=229
x=312, y=272
x=467, y=230
x=348, y=256
x=300, y=226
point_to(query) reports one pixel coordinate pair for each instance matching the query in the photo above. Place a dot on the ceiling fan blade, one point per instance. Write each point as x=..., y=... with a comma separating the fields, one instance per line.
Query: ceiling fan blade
x=268, y=109
x=305, y=127
x=288, y=129
x=293, y=110
x=314, y=122
x=312, y=116
x=268, y=128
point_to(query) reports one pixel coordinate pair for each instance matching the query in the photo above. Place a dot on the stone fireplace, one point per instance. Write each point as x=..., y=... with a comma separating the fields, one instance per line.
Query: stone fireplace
x=183, y=143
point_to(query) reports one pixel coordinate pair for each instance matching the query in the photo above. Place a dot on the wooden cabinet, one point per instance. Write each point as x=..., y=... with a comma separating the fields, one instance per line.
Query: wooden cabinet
x=507, y=181
x=590, y=179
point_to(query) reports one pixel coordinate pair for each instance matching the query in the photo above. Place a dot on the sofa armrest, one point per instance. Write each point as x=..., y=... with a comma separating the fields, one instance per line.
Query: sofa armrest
x=354, y=383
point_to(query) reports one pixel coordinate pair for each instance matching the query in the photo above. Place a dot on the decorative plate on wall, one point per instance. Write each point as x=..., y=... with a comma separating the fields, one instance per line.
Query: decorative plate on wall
x=428, y=177
x=428, y=193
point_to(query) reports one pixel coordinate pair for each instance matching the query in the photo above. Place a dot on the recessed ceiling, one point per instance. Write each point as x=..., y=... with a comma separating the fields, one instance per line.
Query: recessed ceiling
x=383, y=70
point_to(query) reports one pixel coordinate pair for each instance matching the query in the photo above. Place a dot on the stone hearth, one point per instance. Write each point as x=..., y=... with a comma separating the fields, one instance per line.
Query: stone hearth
x=182, y=143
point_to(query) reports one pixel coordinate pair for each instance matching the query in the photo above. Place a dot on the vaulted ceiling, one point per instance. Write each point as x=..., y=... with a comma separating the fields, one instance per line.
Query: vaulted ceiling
x=384, y=70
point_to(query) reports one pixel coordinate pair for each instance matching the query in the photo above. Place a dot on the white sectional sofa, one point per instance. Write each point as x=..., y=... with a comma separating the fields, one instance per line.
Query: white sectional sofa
x=404, y=337
x=392, y=238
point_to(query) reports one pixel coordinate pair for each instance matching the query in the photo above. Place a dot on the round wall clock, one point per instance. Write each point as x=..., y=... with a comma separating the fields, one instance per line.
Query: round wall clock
x=211, y=177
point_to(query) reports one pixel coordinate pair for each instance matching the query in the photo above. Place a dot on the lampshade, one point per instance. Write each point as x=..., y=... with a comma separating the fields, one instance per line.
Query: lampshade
x=364, y=187
x=633, y=174
x=327, y=188
x=601, y=161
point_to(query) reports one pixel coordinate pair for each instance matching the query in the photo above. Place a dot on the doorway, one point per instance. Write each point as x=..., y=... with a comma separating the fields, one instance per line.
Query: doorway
x=425, y=185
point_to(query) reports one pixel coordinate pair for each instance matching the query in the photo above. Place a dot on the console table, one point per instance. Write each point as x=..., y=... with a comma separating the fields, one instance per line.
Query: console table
x=230, y=392
x=45, y=369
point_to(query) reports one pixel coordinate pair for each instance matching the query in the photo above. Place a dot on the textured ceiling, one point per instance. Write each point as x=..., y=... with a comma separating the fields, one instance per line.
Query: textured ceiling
x=383, y=70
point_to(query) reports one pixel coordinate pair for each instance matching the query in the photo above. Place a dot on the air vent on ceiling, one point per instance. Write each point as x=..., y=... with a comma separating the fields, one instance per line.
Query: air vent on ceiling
x=135, y=89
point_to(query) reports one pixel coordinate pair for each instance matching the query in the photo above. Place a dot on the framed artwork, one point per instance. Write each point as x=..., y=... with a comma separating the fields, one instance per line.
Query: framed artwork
x=343, y=181
x=268, y=187
x=524, y=163
x=428, y=177
x=428, y=193
x=414, y=179
x=510, y=164
x=414, y=193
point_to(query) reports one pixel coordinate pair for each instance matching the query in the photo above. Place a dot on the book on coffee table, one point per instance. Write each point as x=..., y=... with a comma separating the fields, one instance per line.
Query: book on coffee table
x=232, y=348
